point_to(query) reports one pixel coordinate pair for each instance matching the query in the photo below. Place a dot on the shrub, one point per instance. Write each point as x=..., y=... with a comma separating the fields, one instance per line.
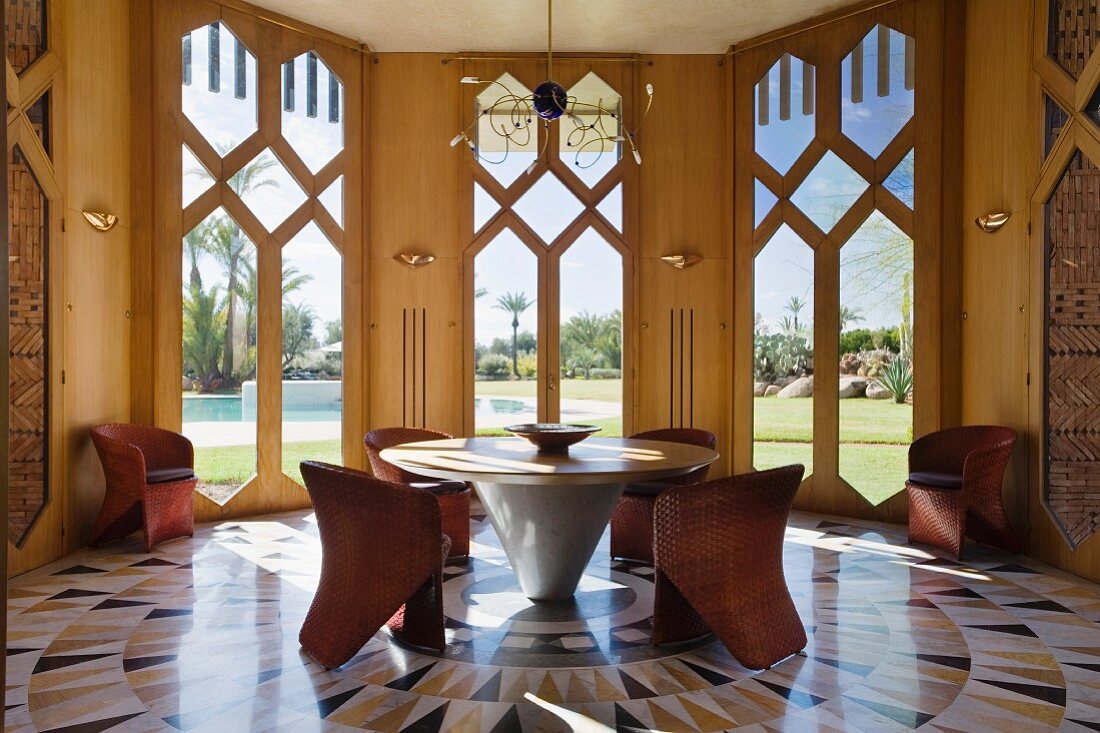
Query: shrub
x=850, y=364
x=605, y=373
x=897, y=378
x=494, y=365
x=777, y=355
x=864, y=339
x=528, y=365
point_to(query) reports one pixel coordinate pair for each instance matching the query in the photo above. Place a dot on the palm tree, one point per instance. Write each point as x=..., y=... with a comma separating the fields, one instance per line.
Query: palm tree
x=204, y=316
x=794, y=307
x=226, y=243
x=297, y=331
x=849, y=315
x=248, y=291
x=514, y=303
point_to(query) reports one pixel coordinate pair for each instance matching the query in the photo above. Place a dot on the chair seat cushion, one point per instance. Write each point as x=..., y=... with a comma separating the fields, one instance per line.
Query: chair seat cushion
x=439, y=488
x=647, y=488
x=936, y=480
x=168, y=475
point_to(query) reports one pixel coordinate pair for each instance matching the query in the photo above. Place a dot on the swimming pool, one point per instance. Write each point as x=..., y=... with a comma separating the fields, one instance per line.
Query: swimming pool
x=228, y=408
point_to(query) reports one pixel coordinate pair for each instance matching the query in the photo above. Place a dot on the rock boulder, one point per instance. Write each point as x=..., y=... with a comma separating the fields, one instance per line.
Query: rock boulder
x=801, y=387
x=852, y=386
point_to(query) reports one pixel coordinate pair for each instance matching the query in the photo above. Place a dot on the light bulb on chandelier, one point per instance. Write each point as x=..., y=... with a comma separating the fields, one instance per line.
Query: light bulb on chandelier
x=550, y=101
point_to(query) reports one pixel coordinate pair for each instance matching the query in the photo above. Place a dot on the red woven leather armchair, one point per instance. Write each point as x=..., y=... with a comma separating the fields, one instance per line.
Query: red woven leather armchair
x=453, y=496
x=719, y=561
x=954, y=487
x=380, y=564
x=632, y=522
x=150, y=483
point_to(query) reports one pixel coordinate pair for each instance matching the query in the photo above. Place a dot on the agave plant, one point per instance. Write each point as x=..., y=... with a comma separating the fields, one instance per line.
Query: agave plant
x=897, y=378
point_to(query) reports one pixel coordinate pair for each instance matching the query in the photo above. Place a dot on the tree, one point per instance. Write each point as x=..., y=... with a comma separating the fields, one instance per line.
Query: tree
x=334, y=331
x=849, y=316
x=297, y=331
x=794, y=306
x=247, y=290
x=203, y=331
x=225, y=242
x=599, y=334
x=516, y=304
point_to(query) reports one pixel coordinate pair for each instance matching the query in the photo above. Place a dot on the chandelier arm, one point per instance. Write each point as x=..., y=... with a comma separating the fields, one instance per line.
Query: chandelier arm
x=549, y=39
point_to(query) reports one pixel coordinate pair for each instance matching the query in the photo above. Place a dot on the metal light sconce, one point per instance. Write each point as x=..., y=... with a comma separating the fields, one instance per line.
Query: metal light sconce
x=681, y=262
x=414, y=260
x=993, y=221
x=100, y=221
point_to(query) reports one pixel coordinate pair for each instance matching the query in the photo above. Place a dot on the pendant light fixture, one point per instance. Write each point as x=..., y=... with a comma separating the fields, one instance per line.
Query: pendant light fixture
x=514, y=117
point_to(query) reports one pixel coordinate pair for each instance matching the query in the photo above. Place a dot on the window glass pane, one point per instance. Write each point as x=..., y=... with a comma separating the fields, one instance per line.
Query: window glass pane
x=592, y=334
x=485, y=207
x=587, y=136
x=877, y=79
x=196, y=179
x=785, y=112
x=332, y=198
x=313, y=110
x=548, y=207
x=900, y=181
x=611, y=207
x=38, y=114
x=505, y=335
x=219, y=86
x=764, y=201
x=313, y=364
x=268, y=189
x=876, y=348
x=219, y=354
x=829, y=191
x=783, y=354
x=507, y=133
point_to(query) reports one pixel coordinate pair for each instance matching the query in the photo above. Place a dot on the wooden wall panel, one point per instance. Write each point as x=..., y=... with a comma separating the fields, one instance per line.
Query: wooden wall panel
x=993, y=367
x=684, y=201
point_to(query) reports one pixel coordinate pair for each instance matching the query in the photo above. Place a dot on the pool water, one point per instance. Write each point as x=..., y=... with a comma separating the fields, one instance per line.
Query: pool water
x=227, y=408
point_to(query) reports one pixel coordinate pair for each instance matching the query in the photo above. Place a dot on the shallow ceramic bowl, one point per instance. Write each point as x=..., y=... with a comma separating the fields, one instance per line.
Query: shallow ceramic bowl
x=552, y=437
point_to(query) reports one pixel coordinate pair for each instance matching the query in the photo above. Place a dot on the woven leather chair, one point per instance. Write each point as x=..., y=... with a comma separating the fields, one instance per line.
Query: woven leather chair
x=150, y=483
x=381, y=564
x=453, y=496
x=719, y=561
x=954, y=487
x=632, y=522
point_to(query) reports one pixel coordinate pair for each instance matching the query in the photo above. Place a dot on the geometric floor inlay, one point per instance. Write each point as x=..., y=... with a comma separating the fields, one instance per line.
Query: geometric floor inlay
x=201, y=636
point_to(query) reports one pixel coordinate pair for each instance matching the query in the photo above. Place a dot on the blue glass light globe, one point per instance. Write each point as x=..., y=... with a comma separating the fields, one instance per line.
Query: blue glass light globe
x=549, y=100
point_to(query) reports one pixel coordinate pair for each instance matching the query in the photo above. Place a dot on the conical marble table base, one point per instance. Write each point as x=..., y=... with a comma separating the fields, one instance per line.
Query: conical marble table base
x=549, y=510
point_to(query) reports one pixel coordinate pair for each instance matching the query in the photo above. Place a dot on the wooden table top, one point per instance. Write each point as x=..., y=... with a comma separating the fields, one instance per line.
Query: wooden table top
x=515, y=461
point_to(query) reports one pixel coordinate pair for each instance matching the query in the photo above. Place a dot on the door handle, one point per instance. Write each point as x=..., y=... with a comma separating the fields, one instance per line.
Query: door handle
x=550, y=382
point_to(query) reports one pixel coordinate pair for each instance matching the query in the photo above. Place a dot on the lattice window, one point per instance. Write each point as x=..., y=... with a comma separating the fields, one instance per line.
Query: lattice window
x=32, y=194
x=549, y=258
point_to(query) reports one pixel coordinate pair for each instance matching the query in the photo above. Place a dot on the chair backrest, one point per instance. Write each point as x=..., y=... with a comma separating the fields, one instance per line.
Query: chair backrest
x=688, y=436
x=373, y=531
x=127, y=451
x=379, y=440
x=946, y=450
x=736, y=522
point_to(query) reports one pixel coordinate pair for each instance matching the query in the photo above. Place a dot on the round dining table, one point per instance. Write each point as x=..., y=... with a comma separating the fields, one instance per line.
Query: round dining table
x=549, y=509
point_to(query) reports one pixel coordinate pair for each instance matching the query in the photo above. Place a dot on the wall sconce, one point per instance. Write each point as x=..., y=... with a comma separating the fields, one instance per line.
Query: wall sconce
x=681, y=262
x=414, y=260
x=100, y=221
x=993, y=221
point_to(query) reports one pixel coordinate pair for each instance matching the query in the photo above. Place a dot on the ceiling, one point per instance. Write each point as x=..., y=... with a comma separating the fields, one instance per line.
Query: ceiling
x=641, y=26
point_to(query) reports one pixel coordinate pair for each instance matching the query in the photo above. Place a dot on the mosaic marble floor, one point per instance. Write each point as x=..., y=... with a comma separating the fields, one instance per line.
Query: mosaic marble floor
x=202, y=636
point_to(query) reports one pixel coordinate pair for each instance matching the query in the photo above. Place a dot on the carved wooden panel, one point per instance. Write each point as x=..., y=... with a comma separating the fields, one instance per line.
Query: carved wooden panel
x=25, y=26
x=1073, y=30
x=1073, y=350
x=27, y=254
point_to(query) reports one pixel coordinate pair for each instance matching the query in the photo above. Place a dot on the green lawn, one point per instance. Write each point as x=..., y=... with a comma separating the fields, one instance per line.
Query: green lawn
x=874, y=441
x=873, y=452
x=224, y=468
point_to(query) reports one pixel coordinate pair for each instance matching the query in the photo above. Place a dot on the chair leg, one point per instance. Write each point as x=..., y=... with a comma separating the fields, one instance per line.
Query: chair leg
x=937, y=518
x=168, y=511
x=674, y=618
x=420, y=621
